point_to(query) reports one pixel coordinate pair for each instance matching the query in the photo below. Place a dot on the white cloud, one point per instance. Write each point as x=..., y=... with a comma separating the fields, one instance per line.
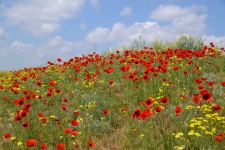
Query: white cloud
x=38, y=14
x=126, y=11
x=191, y=24
x=3, y=34
x=45, y=29
x=99, y=35
x=95, y=4
x=171, y=12
x=185, y=20
x=19, y=54
x=83, y=26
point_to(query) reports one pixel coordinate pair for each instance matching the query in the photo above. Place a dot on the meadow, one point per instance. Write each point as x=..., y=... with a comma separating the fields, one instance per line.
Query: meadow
x=147, y=99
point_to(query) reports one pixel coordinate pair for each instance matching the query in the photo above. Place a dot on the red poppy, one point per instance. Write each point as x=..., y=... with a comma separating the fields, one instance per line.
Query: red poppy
x=6, y=135
x=210, y=83
x=64, y=107
x=196, y=99
x=59, y=59
x=175, y=68
x=223, y=83
x=75, y=133
x=201, y=87
x=44, y=120
x=27, y=106
x=60, y=146
x=25, y=124
x=206, y=96
x=219, y=138
x=158, y=109
x=149, y=102
x=58, y=91
x=49, y=94
x=39, y=82
x=52, y=83
x=25, y=92
x=178, y=110
x=137, y=114
x=216, y=107
x=164, y=101
x=111, y=82
x=105, y=111
x=147, y=112
x=5, y=98
x=91, y=144
x=31, y=142
x=74, y=122
x=145, y=77
x=65, y=100
x=75, y=113
x=68, y=130
x=135, y=78
x=41, y=115
x=43, y=145
x=185, y=72
x=18, y=118
x=24, y=113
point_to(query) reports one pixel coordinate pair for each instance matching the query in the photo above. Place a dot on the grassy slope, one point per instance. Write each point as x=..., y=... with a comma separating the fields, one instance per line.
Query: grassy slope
x=84, y=82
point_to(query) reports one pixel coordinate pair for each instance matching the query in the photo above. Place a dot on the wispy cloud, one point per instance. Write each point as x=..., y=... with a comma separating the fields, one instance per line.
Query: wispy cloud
x=43, y=16
x=3, y=34
x=95, y=4
x=126, y=11
x=83, y=26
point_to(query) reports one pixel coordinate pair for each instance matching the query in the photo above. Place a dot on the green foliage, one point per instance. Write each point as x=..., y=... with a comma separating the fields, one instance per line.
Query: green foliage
x=186, y=42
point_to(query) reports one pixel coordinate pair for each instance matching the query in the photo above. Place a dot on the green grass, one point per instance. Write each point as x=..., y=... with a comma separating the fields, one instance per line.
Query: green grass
x=93, y=83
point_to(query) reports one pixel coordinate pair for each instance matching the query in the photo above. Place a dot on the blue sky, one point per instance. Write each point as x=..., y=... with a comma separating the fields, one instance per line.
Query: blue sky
x=35, y=31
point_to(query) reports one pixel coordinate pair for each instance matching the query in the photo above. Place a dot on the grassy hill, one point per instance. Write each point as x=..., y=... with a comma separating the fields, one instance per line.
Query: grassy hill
x=130, y=99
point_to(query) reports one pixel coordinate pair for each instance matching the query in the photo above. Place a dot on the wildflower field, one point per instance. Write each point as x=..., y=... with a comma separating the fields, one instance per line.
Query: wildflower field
x=122, y=100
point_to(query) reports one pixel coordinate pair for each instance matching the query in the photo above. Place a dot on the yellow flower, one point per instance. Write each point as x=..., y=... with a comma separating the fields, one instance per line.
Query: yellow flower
x=189, y=107
x=179, y=134
x=80, y=119
x=61, y=137
x=13, y=138
x=202, y=127
x=52, y=116
x=142, y=135
x=19, y=143
x=208, y=132
x=179, y=147
x=197, y=134
x=191, y=132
